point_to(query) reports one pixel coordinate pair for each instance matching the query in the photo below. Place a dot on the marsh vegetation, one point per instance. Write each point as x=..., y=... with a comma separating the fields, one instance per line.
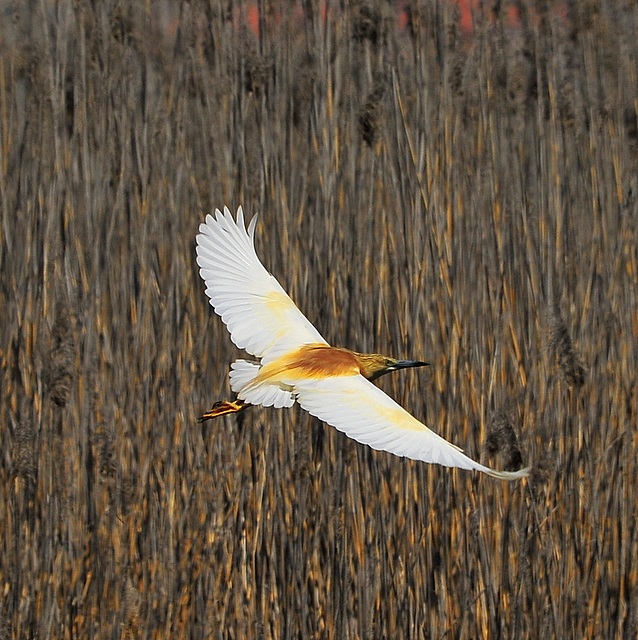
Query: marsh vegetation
x=466, y=197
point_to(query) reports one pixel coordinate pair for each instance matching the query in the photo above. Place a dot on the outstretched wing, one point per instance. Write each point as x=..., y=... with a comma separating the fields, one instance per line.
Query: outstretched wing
x=259, y=314
x=366, y=414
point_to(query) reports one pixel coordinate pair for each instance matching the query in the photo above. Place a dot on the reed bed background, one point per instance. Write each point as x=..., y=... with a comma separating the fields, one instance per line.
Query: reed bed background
x=424, y=190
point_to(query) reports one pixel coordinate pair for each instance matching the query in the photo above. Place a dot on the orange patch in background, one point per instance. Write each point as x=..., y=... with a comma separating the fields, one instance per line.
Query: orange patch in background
x=469, y=10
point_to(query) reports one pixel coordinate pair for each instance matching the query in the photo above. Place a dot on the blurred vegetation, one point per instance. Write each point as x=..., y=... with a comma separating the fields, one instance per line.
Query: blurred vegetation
x=425, y=190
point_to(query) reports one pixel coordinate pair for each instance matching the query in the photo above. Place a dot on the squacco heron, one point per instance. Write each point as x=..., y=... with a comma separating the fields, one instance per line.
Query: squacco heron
x=295, y=363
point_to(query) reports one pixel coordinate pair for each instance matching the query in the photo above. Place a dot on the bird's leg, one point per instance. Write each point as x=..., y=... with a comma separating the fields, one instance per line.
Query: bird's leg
x=222, y=408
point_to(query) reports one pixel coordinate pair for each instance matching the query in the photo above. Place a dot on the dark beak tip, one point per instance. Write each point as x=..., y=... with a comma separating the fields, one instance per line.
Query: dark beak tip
x=404, y=364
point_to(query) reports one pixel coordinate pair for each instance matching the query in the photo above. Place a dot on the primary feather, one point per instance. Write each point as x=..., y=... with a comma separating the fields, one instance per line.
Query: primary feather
x=259, y=314
x=366, y=414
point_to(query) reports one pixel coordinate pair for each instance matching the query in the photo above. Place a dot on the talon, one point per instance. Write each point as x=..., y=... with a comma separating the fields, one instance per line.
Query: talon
x=222, y=408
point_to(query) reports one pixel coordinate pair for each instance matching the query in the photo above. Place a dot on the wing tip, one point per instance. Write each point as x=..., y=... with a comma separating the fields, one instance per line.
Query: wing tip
x=509, y=475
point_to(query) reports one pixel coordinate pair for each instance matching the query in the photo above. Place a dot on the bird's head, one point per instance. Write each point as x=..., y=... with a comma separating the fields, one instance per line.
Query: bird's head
x=374, y=365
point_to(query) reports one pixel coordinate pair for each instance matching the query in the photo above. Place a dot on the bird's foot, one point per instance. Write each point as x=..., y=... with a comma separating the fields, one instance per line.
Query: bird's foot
x=222, y=408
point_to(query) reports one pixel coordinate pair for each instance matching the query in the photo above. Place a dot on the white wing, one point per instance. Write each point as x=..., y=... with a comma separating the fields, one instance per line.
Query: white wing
x=259, y=314
x=366, y=414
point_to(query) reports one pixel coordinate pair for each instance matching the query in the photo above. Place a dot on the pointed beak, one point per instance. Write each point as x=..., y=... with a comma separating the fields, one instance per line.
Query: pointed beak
x=407, y=364
x=399, y=364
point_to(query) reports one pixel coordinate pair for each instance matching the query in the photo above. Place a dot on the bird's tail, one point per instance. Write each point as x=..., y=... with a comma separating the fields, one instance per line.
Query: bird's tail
x=242, y=372
x=245, y=383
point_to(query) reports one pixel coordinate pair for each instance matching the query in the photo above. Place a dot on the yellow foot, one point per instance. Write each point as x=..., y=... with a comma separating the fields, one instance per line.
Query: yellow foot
x=223, y=407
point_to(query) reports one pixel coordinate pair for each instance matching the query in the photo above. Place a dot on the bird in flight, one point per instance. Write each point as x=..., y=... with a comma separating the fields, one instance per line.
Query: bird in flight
x=295, y=364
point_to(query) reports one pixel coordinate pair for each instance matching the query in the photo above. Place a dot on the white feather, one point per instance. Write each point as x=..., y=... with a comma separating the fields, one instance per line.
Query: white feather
x=366, y=414
x=260, y=316
x=243, y=372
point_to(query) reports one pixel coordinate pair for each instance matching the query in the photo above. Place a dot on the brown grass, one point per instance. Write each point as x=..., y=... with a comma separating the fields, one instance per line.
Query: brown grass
x=468, y=199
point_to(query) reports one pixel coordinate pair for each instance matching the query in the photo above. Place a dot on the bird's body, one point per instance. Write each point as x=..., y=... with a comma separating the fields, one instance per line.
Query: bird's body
x=297, y=364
